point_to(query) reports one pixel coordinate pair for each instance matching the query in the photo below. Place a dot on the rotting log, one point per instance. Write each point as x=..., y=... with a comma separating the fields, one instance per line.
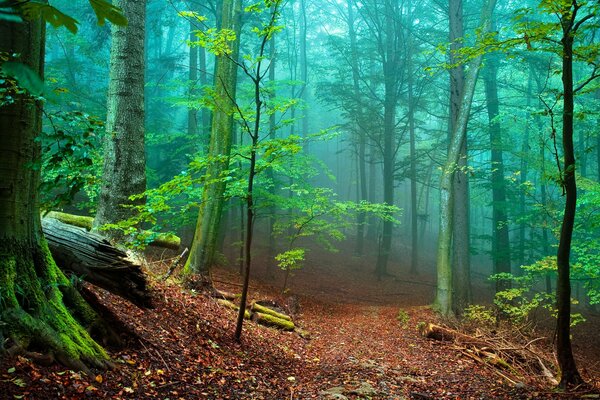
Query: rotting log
x=92, y=258
x=272, y=321
x=165, y=240
x=437, y=332
x=266, y=310
x=232, y=306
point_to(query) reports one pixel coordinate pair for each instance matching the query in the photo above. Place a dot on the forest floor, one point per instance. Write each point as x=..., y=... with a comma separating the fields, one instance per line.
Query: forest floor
x=358, y=347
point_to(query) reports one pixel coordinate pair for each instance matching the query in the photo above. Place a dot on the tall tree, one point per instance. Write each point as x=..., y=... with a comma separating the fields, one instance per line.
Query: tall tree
x=444, y=300
x=460, y=232
x=202, y=250
x=124, y=170
x=39, y=306
x=570, y=22
x=500, y=238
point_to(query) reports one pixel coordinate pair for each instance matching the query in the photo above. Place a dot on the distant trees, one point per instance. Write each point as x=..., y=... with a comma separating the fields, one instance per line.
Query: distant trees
x=124, y=170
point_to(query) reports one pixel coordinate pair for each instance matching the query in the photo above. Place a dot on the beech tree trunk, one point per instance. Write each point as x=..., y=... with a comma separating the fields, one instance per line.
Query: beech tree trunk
x=444, y=300
x=202, y=250
x=124, y=170
x=39, y=307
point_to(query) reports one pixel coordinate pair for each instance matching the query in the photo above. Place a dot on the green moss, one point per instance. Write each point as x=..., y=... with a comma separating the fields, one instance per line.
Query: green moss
x=273, y=321
x=75, y=220
x=266, y=310
x=34, y=310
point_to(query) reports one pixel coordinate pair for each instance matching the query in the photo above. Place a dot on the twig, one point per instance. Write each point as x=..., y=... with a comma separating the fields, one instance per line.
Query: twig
x=163, y=360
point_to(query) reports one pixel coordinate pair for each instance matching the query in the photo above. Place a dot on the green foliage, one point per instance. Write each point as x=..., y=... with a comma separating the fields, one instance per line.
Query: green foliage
x=71, y=159
x=103, y=9
x=480, y=315
x=518, y=303
x=290, y=260
x=25, y=78
x=403, y=317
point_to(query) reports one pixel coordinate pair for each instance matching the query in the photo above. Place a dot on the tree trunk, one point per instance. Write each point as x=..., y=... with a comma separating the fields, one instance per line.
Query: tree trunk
x=193, y=82
x=564, y=353
x=124, y=170
x=202, y=250
x=361, y=218
x=390, y=77
x=414, y=209
x=500, y=238
x=40, y=307
x=444, y=300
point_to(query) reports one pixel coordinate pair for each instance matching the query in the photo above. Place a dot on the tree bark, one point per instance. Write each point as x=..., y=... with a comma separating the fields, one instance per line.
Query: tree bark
x=444, y=301
x=202, y=251
x=124, y=170
x=92, y=258
x=39, y=305
x=566, y=361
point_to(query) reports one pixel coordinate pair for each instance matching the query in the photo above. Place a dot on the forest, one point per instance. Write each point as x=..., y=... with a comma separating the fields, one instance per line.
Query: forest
x=299, y=199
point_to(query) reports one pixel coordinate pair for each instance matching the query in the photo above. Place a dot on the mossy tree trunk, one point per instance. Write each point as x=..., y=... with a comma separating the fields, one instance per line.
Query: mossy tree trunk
x=40, y=310
x=202, y=250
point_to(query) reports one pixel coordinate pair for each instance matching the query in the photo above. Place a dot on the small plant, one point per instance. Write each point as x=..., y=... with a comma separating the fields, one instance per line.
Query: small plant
x=480, y=315
x=403, y=318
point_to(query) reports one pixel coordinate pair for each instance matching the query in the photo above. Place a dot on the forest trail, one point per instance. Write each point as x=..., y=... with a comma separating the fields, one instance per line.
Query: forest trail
x=364, y=344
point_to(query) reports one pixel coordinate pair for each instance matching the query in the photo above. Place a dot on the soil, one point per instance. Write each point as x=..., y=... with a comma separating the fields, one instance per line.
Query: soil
x=363, y=344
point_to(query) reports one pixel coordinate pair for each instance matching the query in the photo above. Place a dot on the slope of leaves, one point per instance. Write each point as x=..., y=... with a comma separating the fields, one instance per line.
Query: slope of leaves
x=361, y=346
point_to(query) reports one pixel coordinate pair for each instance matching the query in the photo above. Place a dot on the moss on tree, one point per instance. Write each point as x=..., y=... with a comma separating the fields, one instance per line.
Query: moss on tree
x=39, y=307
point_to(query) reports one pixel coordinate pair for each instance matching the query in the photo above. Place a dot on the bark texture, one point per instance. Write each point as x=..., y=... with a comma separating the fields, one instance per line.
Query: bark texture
x=202, y=251
x=444, y=300
x=124, y=170
x=564, y=353
x=39, y=308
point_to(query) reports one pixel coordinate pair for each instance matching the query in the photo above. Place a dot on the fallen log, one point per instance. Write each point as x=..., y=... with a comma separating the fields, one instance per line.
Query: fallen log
x=266, y=310
x=165, y=240
x=272, y=321
x=92, y=258
x=232, y=306
x=437, y=332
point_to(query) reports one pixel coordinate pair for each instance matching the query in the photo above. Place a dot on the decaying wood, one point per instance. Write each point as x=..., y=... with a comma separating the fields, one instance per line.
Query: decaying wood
x=273, y=321
x=166, y=240
x=265, y=316
x=256, y=307
x=504, y=357
x=92, y=258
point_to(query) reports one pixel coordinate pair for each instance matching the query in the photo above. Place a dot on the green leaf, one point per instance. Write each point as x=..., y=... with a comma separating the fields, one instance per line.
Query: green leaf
x=25, y=76
x=106, y=11
x=53, y=16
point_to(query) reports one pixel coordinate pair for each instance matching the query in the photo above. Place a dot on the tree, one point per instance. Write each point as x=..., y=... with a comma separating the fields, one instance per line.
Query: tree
x=256, y=74
x=500, y=237
x=444, y=301
x=124, y=170
x=39, y=306
x=570, y=24
x=202, y=250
